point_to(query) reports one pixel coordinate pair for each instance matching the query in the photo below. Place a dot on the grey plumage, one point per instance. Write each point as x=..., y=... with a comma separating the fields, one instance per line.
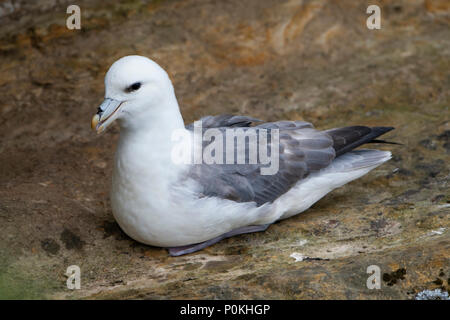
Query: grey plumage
x=302, y=151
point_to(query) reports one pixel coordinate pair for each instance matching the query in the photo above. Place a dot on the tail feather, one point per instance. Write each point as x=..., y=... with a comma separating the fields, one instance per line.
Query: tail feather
x=348, y=138
x=360, y=159
x=342, y=170
x=385, y=142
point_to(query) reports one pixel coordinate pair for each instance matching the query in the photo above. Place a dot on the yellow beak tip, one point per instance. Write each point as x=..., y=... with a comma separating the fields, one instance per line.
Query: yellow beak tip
x=94, y=121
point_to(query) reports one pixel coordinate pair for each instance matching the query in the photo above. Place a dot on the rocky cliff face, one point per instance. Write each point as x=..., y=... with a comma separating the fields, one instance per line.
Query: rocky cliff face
x=311, y=60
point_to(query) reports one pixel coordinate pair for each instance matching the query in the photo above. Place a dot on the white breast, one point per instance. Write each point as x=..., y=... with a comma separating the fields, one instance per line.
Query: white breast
x=154, y=205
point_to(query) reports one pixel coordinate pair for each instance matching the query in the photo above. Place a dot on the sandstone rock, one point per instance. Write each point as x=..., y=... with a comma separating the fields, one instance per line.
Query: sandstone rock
x=311, y=60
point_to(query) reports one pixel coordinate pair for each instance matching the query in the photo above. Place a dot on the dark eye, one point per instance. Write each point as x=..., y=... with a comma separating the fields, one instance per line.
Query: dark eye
x=133, y=87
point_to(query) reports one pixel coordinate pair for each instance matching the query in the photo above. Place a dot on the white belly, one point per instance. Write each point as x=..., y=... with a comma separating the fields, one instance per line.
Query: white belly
x=172, y=214
x=168, y=217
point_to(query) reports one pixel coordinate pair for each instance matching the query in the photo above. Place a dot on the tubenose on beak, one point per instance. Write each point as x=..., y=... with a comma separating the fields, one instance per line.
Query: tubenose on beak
x=107, y=112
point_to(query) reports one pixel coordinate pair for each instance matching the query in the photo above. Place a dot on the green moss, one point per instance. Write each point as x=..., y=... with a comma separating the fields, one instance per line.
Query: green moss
x=22, y=284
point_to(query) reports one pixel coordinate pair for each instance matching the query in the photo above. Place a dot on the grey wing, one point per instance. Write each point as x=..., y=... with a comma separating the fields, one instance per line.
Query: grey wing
x=302, y=150
x=224, y=120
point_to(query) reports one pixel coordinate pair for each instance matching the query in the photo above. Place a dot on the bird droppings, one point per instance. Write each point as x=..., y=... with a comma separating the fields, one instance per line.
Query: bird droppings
x=298, y=256
x=437, y=232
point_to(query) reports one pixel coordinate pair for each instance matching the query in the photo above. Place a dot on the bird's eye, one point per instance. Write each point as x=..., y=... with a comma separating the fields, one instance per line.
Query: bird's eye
x=133, y=87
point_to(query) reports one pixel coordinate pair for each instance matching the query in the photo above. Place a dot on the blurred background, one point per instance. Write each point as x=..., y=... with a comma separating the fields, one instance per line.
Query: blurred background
x=274, y=60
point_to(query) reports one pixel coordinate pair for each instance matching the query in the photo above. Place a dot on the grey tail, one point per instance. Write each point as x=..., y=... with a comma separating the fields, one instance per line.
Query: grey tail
x=348, y=138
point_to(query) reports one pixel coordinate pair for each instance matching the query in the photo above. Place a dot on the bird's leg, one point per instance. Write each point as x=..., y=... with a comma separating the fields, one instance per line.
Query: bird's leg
x=178, y=251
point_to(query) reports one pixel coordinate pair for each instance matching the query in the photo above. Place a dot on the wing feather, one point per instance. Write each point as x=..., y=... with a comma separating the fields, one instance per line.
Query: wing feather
x=302, y=151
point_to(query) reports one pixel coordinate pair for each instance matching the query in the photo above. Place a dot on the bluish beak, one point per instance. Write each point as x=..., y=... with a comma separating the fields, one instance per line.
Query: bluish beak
x=107, y=112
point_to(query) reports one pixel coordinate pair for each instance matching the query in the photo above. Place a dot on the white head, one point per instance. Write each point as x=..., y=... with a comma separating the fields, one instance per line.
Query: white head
x=137, y=91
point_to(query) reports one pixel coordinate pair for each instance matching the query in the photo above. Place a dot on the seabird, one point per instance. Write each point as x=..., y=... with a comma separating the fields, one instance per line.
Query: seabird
x=186, y=207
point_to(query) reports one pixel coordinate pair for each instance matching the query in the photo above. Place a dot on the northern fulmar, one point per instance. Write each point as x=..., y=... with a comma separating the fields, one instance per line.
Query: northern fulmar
x=186, y=206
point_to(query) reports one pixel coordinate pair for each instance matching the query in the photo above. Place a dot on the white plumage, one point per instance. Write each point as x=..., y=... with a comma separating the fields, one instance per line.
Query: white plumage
x=155, y=201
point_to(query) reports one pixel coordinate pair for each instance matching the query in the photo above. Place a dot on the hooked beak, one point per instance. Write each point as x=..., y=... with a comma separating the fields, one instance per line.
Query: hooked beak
x=106, y=114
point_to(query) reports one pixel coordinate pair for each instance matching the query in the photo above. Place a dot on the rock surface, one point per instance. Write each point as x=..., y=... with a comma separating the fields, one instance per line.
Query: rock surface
x=291, y=59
